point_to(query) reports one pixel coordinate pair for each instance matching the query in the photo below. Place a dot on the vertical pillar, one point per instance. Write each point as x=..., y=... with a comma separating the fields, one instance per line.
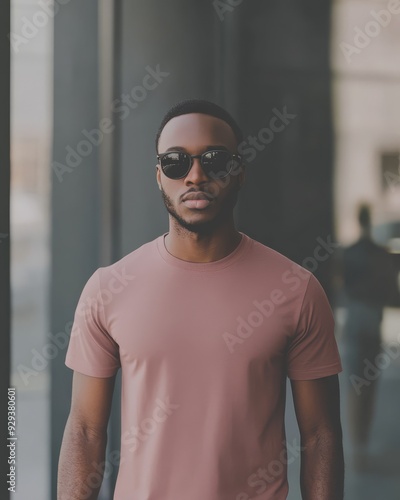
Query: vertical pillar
x=285, y=70
x=75, y=224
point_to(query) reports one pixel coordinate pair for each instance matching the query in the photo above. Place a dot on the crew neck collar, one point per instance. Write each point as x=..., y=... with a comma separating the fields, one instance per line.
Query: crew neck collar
x=215, y=265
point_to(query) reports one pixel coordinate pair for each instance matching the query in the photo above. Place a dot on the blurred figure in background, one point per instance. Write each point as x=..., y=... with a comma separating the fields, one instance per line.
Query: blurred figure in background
x=370, y=284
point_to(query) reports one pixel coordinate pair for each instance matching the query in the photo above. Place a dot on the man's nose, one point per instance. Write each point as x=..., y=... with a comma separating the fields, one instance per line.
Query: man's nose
x=196, y=173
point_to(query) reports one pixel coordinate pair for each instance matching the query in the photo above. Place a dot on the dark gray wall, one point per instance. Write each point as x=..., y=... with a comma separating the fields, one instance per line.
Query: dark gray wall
x=4, y=234
x=284, y=61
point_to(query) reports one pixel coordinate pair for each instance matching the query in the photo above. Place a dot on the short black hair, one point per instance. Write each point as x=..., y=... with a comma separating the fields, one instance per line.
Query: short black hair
x=364, y=214
x=200, y=106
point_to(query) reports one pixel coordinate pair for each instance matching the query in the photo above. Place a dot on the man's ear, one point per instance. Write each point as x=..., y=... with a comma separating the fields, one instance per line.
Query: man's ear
x=159, y=187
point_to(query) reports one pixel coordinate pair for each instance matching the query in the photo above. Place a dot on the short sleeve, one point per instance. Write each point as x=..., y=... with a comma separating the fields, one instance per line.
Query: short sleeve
x=91, y=350
x=313, y=351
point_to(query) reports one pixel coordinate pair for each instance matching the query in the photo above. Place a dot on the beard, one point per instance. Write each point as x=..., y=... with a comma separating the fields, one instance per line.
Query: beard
x=204, y=227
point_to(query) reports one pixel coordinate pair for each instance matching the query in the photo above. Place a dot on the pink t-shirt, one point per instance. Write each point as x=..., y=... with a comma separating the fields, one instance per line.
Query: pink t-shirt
x=204, y=349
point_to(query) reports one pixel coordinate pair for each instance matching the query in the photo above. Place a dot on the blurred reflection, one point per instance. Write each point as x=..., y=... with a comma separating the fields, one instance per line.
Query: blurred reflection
x=370, y=284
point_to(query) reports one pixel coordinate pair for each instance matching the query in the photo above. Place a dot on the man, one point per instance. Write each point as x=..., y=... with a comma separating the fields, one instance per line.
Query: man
x=370, y=284
x=205, y=323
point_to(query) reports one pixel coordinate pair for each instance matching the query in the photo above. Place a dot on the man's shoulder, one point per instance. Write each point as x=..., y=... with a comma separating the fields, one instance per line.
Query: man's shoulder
x=273, y=257
x=365, y=246
x=136, y=259
x=282, y=269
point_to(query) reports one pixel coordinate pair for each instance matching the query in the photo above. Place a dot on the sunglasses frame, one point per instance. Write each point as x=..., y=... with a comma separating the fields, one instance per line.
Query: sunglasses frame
x=233, y=156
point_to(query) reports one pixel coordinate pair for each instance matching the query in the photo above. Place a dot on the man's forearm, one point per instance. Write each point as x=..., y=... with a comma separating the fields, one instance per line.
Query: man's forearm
x=322, y=468
x=79, y=470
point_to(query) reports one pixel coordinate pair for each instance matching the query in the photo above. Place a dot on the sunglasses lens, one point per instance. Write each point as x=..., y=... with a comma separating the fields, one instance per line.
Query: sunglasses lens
x=175, y=165
x=217, y=163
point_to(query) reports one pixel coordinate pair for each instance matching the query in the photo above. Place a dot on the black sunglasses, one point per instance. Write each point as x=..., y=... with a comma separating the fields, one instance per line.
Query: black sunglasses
x=216, y=163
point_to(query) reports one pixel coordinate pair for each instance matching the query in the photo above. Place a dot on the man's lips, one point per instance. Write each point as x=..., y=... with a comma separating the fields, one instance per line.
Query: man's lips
x=197, y=200
x=197, y=196
x=199, y=203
